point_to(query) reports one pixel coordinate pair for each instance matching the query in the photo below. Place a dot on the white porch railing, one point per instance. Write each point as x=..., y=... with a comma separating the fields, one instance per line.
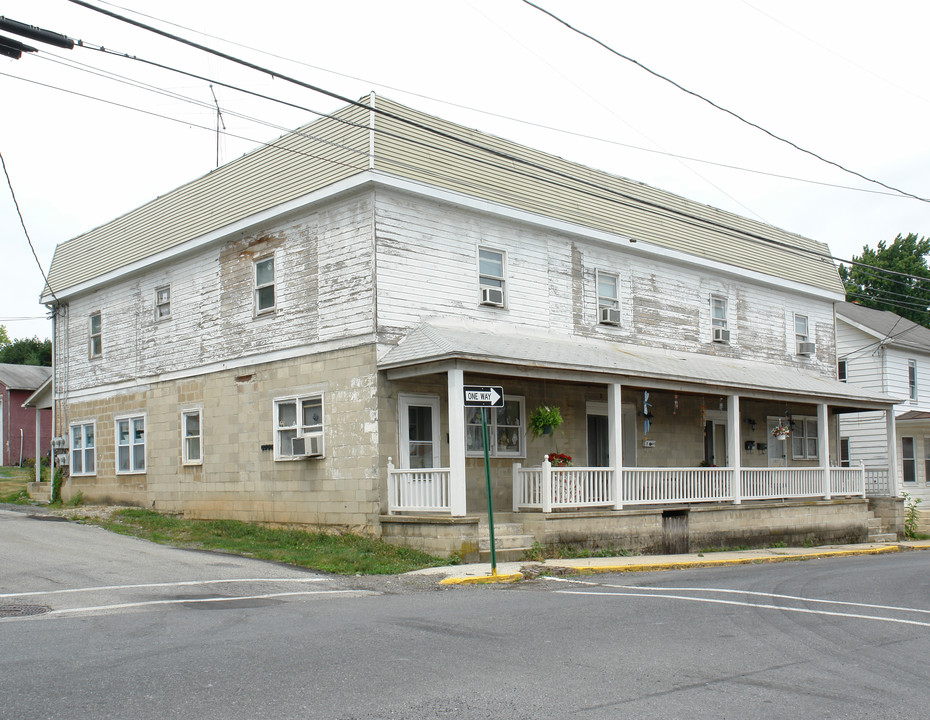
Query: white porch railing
x=878, y=481
x=545, y=489
x=418, y=490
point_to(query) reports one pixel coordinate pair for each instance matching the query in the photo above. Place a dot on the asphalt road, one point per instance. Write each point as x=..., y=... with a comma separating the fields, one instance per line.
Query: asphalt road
x=841, y=638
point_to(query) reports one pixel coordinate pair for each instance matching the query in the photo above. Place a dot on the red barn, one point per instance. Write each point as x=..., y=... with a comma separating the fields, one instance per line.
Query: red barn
x=18, y=424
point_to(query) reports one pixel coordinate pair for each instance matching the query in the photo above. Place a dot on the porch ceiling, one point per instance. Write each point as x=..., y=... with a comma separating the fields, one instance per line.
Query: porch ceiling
x=440, y=340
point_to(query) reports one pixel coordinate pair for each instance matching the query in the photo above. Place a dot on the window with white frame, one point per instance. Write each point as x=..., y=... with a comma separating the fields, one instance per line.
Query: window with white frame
x=192, y=437
x=505, y=430
x=130, y=444
x=95, y=332
x=841, y=370
x=804, y=438
x=908, y=460
x=801, y=334
x=264, y=285
x=298, y=417
x=491, y=277
x=162, y=303
x=83, y=449
x=718, y=319
x=608, y=298
x=912, y=380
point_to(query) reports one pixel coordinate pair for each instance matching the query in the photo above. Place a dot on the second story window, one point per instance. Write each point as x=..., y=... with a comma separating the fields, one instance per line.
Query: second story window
x=841, y=370
x=162, y=303
x=718, y=319
x=608, y=298
x=912, y=380
x=491, y=279
x=96, y=335
x=264, y=286
x=803, y=345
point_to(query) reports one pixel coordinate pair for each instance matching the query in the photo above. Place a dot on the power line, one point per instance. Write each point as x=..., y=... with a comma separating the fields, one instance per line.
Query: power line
x=718, y=107
x=23, y=223
x=509, y=118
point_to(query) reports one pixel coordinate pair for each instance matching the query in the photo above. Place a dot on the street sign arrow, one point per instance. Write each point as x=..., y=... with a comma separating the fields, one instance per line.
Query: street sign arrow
x=484, y=396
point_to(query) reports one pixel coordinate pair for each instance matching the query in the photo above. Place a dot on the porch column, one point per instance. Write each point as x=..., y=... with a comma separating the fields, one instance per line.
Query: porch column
x=615, y=443
x=892, y=441
x=734, y=442
x=456, y=382
x=823, y=444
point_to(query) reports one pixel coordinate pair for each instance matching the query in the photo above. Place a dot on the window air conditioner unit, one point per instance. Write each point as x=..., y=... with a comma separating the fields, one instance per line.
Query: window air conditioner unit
x=492, y=296
x=62, y=459
x=721, y=335
x=610, y=316
x=806, y=348
x=307, y=446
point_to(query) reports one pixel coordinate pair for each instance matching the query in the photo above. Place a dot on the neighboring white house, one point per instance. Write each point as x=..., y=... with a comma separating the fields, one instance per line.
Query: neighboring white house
x=883, y=351
x=287, y=339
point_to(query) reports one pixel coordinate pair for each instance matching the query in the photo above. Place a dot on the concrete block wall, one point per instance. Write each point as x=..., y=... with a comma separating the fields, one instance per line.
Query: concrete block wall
x=239, y=477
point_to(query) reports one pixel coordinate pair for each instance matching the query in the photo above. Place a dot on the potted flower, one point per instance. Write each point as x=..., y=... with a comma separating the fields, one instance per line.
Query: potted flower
x=559, y=459
x=544, y=420
x=781, y=431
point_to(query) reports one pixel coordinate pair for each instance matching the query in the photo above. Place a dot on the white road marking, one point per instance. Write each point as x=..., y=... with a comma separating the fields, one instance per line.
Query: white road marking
x=762, y=606
x=743, y=592
x=123, y=606
x=180, y=583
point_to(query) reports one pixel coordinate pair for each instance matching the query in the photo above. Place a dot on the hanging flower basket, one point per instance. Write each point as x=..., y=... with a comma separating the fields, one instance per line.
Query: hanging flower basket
x=544, y=420
x=781, y=432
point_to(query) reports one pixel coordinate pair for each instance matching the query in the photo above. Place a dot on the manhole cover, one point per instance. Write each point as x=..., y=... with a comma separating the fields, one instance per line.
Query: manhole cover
x=22, y=610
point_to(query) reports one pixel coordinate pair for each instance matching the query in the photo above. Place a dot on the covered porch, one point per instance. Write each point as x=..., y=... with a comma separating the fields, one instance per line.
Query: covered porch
x=645, y=428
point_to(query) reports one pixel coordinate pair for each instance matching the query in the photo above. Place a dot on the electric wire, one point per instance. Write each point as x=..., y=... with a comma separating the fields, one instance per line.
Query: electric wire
x=23, y=223
x=510, y=118
x=718, y=107
x=731, y=231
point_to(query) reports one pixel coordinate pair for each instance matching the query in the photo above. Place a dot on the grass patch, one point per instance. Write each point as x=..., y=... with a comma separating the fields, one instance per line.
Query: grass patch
x=342, y=553
x=13, y=482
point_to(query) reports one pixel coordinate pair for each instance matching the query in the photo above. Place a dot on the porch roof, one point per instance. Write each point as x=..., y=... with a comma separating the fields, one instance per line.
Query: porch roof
x=440, y=340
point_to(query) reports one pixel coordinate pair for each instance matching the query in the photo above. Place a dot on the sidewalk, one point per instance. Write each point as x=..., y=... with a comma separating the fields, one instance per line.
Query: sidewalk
x=514, y=571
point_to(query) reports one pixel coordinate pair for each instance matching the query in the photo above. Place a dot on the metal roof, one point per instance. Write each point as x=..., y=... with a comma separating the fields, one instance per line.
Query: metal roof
x=405, y=143
x=893, y=329
x=23, y=377
x=439, y=339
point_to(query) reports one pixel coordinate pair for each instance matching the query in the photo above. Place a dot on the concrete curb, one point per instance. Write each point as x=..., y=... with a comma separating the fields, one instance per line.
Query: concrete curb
x=581, y=568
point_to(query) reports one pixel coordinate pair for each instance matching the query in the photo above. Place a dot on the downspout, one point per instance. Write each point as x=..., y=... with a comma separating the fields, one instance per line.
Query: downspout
x=20, y=447
x=53, y=435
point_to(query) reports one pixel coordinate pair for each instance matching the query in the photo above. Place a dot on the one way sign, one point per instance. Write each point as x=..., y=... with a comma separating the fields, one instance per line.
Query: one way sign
x=484, y=396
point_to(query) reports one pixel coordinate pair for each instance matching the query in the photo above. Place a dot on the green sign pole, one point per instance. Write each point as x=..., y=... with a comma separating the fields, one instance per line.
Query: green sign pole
x=487, y=478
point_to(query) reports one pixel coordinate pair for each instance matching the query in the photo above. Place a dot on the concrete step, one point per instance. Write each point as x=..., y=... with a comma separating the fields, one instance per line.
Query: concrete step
x=512, y=555
x=874, y=523
x=882, y=537
x=501, y=528
x=506, y=542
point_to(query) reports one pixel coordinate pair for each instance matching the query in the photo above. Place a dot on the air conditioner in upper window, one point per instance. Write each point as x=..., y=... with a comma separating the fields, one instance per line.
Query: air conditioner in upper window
x=307, y=446
x=492, y=296
x=610, y=316
x=721, y=335
x=806, y=348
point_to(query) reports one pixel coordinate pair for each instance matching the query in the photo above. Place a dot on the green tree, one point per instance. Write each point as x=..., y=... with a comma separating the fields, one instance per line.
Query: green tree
x=27, y=351
x=906, y=296
x=4, y=338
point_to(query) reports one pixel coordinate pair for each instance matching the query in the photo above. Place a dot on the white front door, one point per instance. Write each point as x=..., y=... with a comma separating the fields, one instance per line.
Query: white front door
x=418, y=425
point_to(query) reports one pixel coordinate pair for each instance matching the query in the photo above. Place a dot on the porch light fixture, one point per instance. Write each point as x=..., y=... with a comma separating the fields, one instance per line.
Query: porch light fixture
x=751, y=423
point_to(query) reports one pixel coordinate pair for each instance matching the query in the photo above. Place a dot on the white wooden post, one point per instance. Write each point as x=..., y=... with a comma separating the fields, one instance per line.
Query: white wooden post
x=456, y=383
x=862, y=475
x=517, y=486
x=892, y=452
x=546, y=485
x=615, y=443
x=38, y=443
x=733, y=440
x=822, y=443
x=392, y=491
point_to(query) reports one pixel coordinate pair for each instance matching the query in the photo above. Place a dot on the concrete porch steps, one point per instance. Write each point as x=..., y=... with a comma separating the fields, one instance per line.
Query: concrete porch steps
x=510, y=542
x=876, y=533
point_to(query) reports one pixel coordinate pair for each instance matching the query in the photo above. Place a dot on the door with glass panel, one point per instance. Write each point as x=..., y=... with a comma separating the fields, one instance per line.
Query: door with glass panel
x=420, y=451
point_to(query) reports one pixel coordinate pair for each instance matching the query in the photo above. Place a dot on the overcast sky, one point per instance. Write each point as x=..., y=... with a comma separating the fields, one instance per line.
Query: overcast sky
x=846, y=79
